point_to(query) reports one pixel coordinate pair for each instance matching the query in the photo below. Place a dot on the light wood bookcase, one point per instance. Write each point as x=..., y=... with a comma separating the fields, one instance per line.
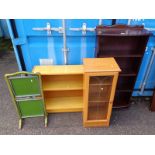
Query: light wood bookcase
x=100, y=79
x=62, y=87
x=75, y=88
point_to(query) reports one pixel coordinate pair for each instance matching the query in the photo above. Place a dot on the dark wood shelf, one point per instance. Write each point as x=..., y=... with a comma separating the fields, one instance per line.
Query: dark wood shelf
x=122, y=98
x=122, y=56
x=152, y=106
x=128, y=74
x=98, y=84
x=127, y=90
x=122, y=30
x=125, y=83
x=122, y=104
x=127, y=45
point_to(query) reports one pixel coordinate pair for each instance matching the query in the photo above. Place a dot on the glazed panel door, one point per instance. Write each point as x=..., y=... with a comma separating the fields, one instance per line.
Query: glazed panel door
x=98, y=97
x=99, y=94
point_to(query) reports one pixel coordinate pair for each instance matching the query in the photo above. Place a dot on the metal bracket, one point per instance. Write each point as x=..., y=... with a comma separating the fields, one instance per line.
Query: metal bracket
x=150, y=29
x=65, y=49
x=84, y=29
x=49, y=29
x=100, y=22
x=146, y=48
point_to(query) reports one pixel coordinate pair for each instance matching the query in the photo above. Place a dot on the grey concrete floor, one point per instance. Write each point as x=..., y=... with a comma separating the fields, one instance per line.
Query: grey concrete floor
x=137, y=119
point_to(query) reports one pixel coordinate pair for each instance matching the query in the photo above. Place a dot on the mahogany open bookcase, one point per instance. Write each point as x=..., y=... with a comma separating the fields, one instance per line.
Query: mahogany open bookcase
x=87, y=88
x=127, y=45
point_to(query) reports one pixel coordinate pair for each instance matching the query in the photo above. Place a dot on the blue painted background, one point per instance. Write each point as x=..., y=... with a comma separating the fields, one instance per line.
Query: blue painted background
x=38, y=45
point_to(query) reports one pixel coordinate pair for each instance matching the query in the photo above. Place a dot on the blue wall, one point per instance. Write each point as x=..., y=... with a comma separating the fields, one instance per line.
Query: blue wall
x=38, y=45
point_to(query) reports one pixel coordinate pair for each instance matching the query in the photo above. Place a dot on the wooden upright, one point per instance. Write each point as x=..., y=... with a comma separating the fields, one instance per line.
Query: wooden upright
x=152, y=107
x=62, y=87
x=100, y=78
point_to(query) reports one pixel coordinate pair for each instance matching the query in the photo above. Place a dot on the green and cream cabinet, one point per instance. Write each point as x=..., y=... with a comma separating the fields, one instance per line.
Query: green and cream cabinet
x=26, y=91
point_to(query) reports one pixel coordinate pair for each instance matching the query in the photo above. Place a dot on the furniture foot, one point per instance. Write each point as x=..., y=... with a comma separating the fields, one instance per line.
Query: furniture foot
x=46, y=121
x=20, y=124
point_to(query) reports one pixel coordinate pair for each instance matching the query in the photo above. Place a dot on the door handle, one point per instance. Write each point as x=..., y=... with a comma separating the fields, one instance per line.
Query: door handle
x=49, y=29
x=84, y=29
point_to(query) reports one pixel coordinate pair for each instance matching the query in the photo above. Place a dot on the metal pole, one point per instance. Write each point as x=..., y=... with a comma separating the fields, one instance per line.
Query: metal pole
x=100, y=22
x=65, y=50
x=147, y=72
x=150, y=29
x=129, y=21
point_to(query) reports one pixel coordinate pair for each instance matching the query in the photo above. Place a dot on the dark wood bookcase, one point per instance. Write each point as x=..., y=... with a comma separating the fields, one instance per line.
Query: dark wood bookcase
x=152, y=107
x=127, y=45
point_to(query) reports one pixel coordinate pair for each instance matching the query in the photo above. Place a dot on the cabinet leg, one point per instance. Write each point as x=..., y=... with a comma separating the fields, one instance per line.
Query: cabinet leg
x=46, y=120
x=20, y=124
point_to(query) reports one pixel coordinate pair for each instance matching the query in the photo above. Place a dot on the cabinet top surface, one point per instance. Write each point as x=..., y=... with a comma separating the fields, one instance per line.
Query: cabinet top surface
x=59, y=69
x=100, y=64
x=122, y=30
x=90, y=65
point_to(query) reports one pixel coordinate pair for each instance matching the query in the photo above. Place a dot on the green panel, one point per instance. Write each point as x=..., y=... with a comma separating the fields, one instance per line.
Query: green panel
x=31, y=108
x=25, y=86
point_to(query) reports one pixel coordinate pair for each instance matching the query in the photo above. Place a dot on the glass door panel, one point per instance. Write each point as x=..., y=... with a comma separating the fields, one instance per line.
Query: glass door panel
x=98, y=98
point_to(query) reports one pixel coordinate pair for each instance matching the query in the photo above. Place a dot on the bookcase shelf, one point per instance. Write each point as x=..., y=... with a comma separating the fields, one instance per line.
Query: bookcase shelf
x=64, y=104
x=62, y=87
x=121, y=56
x=128, y=49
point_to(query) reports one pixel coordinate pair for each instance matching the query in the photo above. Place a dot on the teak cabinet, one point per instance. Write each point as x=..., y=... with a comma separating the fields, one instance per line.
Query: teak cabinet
x=100, y=78
x=127, y=45
x=75, y=88
x=62, y=87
